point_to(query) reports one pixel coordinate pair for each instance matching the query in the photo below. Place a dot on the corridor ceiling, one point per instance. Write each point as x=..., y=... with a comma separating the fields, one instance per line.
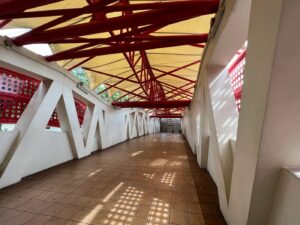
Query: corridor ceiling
x=148, y=50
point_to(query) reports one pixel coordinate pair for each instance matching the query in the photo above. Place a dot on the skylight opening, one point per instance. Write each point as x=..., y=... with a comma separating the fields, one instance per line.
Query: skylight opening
x=40, y=49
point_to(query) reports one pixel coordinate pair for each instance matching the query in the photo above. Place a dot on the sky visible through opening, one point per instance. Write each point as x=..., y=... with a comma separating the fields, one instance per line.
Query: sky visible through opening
x=40, y=49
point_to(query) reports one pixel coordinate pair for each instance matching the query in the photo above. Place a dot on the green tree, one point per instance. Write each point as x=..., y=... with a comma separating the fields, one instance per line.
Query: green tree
x=124, y=99
x=81, y=75
x=116, y=95
x=104, y=95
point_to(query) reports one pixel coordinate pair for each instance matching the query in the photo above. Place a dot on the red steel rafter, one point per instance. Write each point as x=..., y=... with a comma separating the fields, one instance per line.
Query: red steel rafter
x=152, y=89
x=176, y=92
x=129, y=92
x=147, y=17
x=180, y=90
x=17, y=6
x=100, y=9
x=173, y=115
x=177, y=69
x=136, y=24
x=173, y=75
x=110, y=75
x=153, y=104
x=125, y=47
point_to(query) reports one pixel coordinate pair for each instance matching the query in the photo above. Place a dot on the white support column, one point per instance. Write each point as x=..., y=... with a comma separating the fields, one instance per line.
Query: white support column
x=68, y=118
x=21, y=150
x=247, y=201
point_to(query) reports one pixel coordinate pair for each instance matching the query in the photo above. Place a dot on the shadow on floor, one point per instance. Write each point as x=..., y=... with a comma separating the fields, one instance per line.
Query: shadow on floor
x=207, y=192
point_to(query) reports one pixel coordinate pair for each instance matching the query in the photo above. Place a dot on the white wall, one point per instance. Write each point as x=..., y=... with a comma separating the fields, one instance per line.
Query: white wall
x=285, y=208
x=247, y=151
x=213, y=113
x=278, y=71
x=30, y=148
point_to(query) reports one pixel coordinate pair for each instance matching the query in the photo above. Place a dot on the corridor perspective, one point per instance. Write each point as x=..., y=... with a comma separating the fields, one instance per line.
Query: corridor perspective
x=151, y=180
x=149, y=112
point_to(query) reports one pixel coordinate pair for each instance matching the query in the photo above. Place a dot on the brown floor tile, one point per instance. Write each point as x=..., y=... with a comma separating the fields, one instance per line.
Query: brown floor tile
x=37, y=220
x=194, y=207
x=20, y=219
x=119, y=219
x=179, y=218
x=7, y=214
x=85, y=215
x=196, y=219
x=53, y=209
x=34, y=206
x=44, y=195
x=55, y=197
x=137, y=221
x=55, y=221
x=74, y=223
x=143, y=211
x=179, y=205
x=68, y=212
x=11, y=202
x=178, y=196
x=152, y=180
x=101, y=219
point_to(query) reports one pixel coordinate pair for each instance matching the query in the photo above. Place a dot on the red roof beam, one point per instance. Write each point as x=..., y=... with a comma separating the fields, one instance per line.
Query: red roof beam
x=136, y=32
x=120, y=22
x=101, y=9
x=80, y=63
x=174, y=87
x=176, y=92
x=129, y=92
x=175, y=95
x=119, y=48
x=112, y=40
x=181, y=87
x=110, y=75
x=174, y=75
x=11, y=6
x=53, y=23
x=136, y=74
x=181, y=91
x=177, y=69
x=153, y=104
x=168, y=116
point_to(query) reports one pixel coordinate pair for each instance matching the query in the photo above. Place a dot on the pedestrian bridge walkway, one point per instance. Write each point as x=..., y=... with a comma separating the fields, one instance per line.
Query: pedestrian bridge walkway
x=150, y=180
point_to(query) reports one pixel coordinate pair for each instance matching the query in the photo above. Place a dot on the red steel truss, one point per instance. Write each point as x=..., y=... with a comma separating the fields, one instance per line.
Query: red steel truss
x=173, y=115
x=153, y=104
x=132, y=32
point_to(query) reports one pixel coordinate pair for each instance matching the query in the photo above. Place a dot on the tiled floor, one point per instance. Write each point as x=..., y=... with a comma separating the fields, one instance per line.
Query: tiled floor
x=151, y=180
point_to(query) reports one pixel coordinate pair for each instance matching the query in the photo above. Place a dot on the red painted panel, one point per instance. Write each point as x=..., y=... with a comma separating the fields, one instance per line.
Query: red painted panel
x=236, y=74
x=16, y=90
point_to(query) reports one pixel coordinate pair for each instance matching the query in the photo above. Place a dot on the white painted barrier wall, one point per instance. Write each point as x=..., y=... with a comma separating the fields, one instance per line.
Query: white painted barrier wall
x=30, y=148
x=210, y=125
x=285, y=208
x=245, y=152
